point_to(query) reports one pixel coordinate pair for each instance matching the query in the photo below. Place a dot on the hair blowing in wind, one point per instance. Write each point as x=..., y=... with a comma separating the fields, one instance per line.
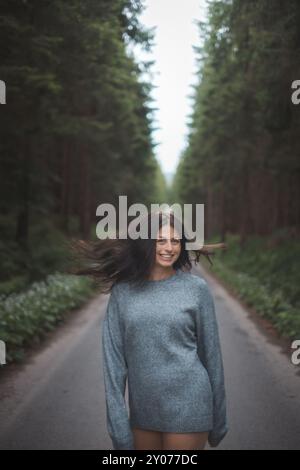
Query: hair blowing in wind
x=112, y=260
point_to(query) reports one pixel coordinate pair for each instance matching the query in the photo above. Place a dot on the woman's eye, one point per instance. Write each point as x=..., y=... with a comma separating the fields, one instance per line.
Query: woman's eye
x=174, y=242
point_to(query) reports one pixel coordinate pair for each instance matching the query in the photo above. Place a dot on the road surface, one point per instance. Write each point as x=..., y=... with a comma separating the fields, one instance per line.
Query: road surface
x=55, y=400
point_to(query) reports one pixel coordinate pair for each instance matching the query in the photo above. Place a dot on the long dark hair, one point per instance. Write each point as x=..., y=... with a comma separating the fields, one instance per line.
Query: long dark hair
x=112, y=260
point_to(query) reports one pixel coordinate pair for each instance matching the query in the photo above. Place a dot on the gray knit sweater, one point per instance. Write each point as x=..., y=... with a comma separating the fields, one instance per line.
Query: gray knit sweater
x=163, y=338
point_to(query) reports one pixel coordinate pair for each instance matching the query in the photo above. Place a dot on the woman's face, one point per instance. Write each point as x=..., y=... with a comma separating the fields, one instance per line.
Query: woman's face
x=168, y=246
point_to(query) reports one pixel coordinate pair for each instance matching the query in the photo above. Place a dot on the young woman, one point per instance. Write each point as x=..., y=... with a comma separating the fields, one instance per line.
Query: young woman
x=160, y=333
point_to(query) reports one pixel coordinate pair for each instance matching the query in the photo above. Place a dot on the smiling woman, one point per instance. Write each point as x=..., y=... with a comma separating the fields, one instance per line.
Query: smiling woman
x=160, y=332
x=168, y=249
x=164, y=338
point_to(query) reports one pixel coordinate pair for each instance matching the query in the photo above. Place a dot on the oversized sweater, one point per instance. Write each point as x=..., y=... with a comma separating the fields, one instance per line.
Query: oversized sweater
x=163, y=338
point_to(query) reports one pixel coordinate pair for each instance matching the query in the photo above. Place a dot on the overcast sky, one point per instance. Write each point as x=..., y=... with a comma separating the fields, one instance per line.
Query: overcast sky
x=173, y=70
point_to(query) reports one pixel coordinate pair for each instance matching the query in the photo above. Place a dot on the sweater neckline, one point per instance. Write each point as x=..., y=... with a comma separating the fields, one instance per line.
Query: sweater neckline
x=165, y=280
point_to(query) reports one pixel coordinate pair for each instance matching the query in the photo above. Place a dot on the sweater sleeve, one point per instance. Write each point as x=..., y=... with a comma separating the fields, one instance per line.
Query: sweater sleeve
x=209, y=351
x=115, y=376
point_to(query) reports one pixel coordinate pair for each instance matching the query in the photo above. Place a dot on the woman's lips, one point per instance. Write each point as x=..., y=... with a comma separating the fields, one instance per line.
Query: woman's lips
x=166, y=257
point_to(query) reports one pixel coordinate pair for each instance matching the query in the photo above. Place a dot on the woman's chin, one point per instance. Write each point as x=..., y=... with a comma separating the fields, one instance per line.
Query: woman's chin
x=165, y=263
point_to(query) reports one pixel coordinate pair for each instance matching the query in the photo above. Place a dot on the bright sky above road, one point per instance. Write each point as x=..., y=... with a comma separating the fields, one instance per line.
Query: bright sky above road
x=174, y=69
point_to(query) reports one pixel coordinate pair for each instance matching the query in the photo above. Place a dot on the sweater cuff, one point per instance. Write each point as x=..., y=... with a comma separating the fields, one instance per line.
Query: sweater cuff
x=124, y=444
x=214, y=438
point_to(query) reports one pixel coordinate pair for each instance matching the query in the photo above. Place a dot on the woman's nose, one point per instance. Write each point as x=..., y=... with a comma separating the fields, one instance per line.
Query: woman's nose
x=169, y=245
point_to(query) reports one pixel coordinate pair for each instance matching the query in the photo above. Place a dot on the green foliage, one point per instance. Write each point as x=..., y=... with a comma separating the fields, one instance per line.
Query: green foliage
x=25, y=318
x=77, y=127
x=266, y=276
x=241, y=160
x=46, y=252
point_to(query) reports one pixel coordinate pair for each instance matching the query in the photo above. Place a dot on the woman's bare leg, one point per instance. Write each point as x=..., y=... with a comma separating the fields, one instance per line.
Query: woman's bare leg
x=147, y=440
x=185, y=441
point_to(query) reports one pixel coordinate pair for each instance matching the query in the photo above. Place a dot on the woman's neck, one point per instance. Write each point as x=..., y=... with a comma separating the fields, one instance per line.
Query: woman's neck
x=158, y=273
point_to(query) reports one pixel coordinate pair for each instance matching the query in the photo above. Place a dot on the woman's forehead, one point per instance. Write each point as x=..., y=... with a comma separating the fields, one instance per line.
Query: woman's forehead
x=167, y=230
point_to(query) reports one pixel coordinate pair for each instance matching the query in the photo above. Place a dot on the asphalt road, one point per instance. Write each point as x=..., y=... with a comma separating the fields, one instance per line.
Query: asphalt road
x=56, y=399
